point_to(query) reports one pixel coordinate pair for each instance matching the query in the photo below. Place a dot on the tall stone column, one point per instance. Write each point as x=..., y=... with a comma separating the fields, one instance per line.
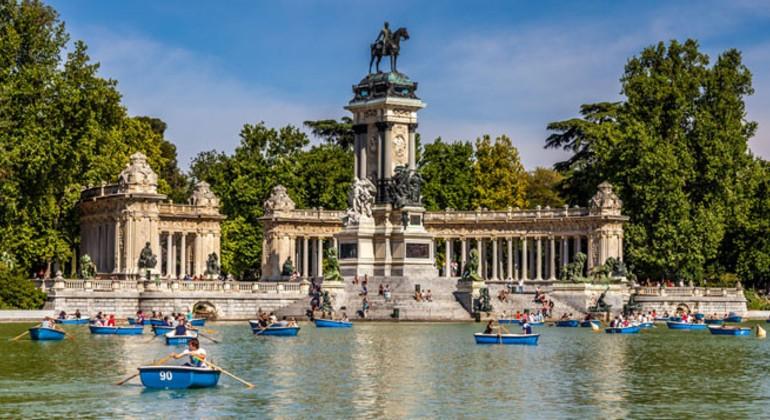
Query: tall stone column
x=524, y=258
x=590, y=253
x=494, y=259
x=448, y=258
x=509, y=270
x=117, y=247
x=412, y=145
x=463, y=254
x=516, y=260
x=388, y=135
x=482, y=264
x=388, y=257
x=169, y=254
x=305, y=257
x=183, y=255
x=320, y=257
x=197, y=267
x=552, y=259
x=564, y=251
x=539, y=258
x=577, y=245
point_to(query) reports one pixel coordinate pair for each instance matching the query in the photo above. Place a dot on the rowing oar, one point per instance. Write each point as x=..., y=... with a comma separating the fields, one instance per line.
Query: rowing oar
x=595, y=328
x=20, y=335
x=159, y=362
x=761, y=333
x=210, y=338
x=248, y=384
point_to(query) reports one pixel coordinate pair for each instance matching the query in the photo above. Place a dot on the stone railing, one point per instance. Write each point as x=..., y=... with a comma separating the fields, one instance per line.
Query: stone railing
x=170, y=286
x=688, y=291
x=497, y=215
x=329, y=216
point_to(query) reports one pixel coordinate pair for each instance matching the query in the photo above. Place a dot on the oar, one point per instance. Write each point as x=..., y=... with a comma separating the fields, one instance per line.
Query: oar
x=248, y=384
x=595, y=328
x=205, y=336
x=20, y=335
x=159, y=362
x=761, y=333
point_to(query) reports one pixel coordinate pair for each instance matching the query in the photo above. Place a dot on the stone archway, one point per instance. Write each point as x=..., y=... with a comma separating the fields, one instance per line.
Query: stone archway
x=205, y=309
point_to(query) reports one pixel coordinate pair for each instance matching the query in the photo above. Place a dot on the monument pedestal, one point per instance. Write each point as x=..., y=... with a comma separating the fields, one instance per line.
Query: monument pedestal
x=356, y=248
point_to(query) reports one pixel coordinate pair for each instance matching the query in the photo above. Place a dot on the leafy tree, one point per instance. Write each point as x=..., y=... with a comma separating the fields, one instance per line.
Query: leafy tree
x=334, y=132
x=675, y=148
x=171, y=180
x=500, y=177
x=327, y=171
x=17, y=292
x=447, y=169
x=542, y=188
x=61, y=128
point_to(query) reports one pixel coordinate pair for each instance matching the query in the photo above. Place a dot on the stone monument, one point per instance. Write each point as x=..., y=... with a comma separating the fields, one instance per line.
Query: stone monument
x=384, y=234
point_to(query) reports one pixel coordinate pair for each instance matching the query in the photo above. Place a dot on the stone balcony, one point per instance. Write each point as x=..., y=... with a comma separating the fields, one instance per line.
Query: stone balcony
x=66, y=286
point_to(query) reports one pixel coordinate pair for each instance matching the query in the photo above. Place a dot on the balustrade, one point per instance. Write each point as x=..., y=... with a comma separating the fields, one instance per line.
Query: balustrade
x=180, y=286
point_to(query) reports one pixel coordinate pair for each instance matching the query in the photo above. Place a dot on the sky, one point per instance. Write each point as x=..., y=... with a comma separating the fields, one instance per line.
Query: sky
x=491, y=67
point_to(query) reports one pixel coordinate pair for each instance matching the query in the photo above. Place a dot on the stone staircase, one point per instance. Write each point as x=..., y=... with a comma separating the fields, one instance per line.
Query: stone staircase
x=526, y=300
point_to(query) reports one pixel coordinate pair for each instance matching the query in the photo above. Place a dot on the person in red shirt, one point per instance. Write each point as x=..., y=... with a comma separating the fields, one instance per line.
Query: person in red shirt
x=111, y=321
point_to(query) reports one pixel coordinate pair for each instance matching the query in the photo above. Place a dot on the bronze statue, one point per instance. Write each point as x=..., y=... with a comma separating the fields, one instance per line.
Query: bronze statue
x=146, y=258
x=387, y=44
x=212, y=264
x=288, y=267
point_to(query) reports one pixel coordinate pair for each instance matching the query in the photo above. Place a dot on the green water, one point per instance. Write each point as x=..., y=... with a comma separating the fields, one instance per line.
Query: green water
x=398, y=370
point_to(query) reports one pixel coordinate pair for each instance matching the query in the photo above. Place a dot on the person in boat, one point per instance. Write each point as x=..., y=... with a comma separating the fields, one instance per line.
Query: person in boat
x=189, y=314
x=345, y=317
x=181, y=328
x=62, y=315
x=77, y=314
x=293, y=323
x=526, y=328
x=166, y=322
x=273, y=319
x=490, y=329
x=564, y=317
x=48, y=323
x=111, y=321
x=666, y=315
x=195, y=352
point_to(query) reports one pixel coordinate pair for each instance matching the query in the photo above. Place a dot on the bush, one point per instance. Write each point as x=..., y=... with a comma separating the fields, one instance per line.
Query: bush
x=18, y=292
x=755, y=302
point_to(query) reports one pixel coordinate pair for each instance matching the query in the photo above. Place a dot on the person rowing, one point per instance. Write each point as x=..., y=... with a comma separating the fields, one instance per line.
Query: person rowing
x=490, y=329
x=195, y=352
x=526, y=328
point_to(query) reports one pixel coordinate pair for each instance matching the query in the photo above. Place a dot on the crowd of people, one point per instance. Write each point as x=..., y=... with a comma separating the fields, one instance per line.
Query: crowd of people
x=423, y=296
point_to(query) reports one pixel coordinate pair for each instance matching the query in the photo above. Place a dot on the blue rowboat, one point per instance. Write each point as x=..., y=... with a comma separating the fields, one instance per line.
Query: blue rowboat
x=524, y=339
x=328, y=323
x=154, y=321
x=661, y=319
x=175, y=340
x=73, y=321
x=675, y=318
x=633, y=329
x=178, y=377
x=646, y=325
x=516, y=321
x=161, y=329
x=587, y=323
x=568, y=323
x=131, y=330
x=198, y=322
x=132, y=321
x=737, y=319
x=274, y=330
x=685, y=326
x=45, y=334
x=537, y=323
x=730, y=331
x=714, y=321
x=700, y=316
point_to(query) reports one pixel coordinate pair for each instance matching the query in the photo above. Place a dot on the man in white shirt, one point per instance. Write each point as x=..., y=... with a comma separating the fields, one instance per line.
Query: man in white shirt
x=196, y=353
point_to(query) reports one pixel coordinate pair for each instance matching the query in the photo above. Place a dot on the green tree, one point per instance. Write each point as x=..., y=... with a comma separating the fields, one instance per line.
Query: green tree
x=17, y=291
x=676, y=149
x=500, y=177
x=334, y=132
x=327, y=171
x=542, y=188
x=171, y=180
x=448, y=171
x=61, y=128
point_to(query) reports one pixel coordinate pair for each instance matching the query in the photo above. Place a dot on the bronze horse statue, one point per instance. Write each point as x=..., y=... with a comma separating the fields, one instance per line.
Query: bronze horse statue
x=390, y=48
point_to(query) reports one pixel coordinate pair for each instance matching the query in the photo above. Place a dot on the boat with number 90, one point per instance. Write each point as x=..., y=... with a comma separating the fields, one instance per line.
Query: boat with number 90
x=178, y=377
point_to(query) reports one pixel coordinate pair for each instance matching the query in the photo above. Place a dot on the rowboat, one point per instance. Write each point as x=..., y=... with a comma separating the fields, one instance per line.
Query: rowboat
x=587, y=323
x=685, y=326
x=730, y=331
x=198, y=322
x=735, y=318
x=162, y=329
x=675, y=318
x=132, y=321
x=73, y=321
x=699, y=316
x=713, y=321
x=525, y=339
x=568, y=323
x=537, y=323
x=178, y=377
x=329, y=323
x=131, y=330
x=662, y=319
x=175, y=340
x=633, y=329
x=45, y=334
x=154, y=321
x=274, y=330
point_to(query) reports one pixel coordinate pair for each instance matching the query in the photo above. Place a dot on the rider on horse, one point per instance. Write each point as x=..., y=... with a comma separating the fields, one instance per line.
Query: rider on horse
x=384, y=39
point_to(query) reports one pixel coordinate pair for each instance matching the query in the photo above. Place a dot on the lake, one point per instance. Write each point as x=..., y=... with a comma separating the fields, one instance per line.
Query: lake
x=396, y=370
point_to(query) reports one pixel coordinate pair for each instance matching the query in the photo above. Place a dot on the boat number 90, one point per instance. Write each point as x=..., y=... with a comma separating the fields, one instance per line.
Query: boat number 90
x=166, y=376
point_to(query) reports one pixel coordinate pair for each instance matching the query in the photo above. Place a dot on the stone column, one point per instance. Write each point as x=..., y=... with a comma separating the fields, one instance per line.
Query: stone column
x=169, y=256
x=482, y=264
x=539, y=259
x=388, y=257
x=564, y=251
x=516, y=260
x=552, y=259
x=509, y=268
x=183, y=255
x=463, y=254
x=320, y=257
x=117, y=247
x=577, y=245
x=524, y=258
x=590, y=254
x=412, y=145
x=197, y=269
x=305, y=255
x=361, y=145
x=494, y=259
x=448, y=258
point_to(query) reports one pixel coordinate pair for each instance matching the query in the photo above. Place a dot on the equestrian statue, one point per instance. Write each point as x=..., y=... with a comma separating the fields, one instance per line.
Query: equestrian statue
x=387, y=44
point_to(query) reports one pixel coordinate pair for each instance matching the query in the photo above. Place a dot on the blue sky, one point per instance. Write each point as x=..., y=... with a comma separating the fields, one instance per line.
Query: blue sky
x=490, y=67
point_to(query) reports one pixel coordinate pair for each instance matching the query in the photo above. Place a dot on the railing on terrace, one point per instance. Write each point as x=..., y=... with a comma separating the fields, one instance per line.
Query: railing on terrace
x=171, y=286
x=450, y=215
x=688, y=291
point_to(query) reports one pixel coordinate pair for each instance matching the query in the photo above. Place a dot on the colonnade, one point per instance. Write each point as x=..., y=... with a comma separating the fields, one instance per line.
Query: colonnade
x=183, y=254
x=308, y=254
x=538, y=258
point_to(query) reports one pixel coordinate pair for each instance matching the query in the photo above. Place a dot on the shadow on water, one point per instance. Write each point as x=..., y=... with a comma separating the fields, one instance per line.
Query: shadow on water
x=397, y=370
